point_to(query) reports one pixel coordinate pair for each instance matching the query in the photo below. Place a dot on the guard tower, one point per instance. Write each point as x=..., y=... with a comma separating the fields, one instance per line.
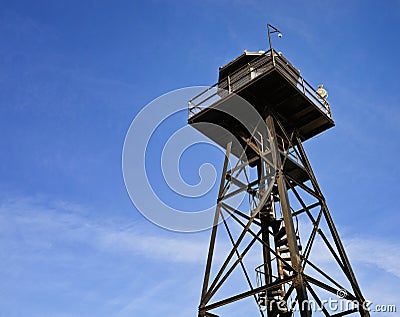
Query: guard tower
x=284, y=223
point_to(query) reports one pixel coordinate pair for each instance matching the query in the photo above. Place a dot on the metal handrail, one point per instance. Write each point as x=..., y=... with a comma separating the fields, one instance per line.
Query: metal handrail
x=236, y=80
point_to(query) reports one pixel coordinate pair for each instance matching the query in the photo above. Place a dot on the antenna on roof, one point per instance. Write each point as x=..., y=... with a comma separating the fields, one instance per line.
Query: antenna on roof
x=271, y=30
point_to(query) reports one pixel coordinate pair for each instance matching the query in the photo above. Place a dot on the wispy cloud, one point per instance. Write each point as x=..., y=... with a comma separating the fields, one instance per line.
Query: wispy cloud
x=382, y=254
x=370, y=250
x=60, y=251
x=34, y=222
x=169, y=249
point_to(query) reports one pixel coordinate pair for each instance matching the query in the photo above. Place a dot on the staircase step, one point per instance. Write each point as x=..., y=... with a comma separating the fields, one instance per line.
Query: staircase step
x=283, y=249
x=281, y=242
x=286, y=249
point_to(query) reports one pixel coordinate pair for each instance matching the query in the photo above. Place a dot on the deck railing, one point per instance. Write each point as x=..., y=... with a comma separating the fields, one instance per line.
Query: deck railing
x=261, y=65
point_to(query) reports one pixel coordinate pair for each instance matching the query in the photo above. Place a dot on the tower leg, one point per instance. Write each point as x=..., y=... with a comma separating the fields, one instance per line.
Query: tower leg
x=215, y=225
x=343, y=256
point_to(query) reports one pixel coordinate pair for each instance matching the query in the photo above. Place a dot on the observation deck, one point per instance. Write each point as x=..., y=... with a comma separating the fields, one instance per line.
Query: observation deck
x=270, y=83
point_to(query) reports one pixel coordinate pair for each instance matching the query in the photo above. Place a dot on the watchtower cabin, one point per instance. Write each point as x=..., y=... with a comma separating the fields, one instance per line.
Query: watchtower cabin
x=270, y=83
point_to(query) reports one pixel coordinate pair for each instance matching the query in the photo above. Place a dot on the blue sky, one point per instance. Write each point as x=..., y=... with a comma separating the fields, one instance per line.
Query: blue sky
x=74, y=74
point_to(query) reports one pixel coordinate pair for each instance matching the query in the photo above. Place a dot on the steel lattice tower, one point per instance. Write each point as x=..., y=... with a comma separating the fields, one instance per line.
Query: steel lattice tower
x=288, y=111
